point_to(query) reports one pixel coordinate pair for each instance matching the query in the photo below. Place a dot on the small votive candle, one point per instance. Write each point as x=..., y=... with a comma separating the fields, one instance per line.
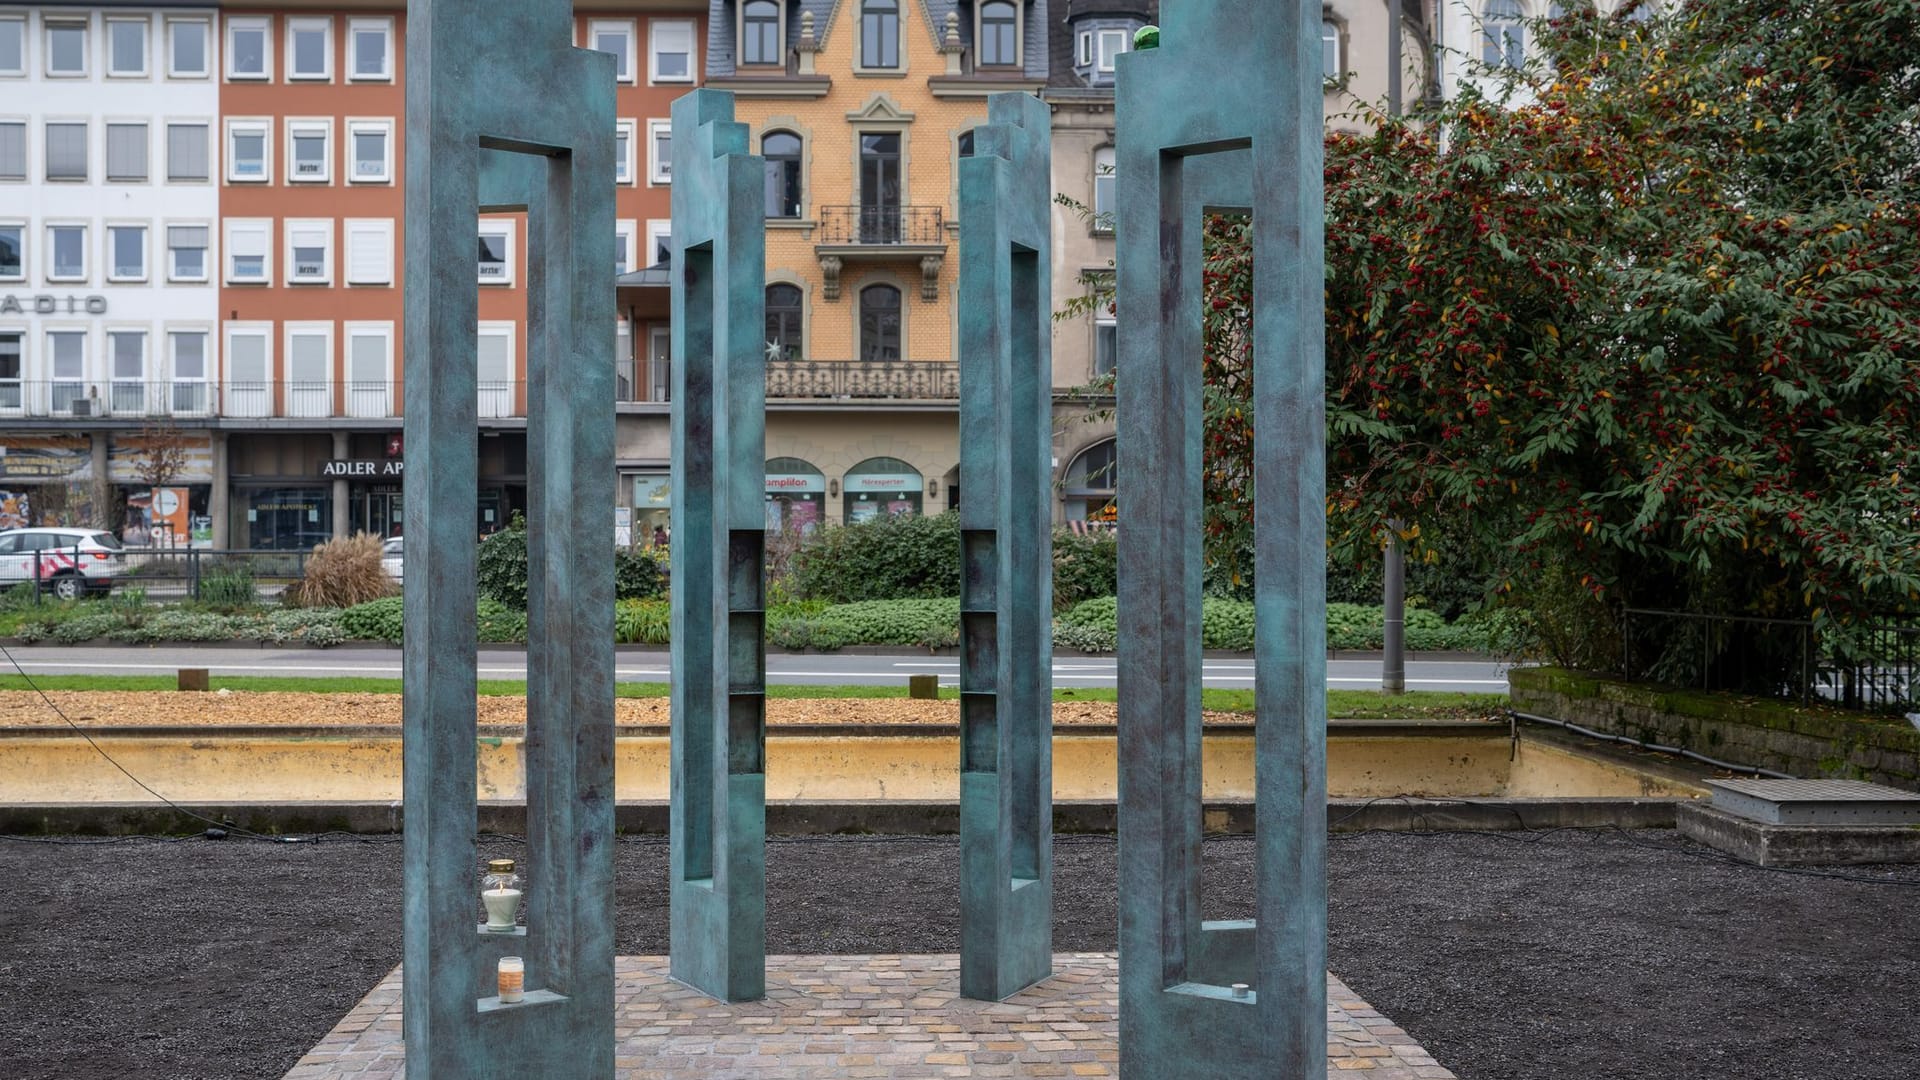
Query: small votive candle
x=513, y=979
x=1239, y=990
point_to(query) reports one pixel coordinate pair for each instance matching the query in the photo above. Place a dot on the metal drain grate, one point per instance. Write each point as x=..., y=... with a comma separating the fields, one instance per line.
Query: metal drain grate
x=1816, y=802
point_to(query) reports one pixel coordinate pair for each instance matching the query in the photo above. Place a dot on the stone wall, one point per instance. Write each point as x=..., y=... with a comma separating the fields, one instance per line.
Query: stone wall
x=1805, y=742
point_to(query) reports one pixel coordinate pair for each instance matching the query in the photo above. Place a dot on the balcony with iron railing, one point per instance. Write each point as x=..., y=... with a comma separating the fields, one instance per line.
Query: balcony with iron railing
x=880, y=234
x=291, y=399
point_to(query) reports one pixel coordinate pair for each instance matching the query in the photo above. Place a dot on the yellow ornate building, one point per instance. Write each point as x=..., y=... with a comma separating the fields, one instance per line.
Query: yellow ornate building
x=862, y=109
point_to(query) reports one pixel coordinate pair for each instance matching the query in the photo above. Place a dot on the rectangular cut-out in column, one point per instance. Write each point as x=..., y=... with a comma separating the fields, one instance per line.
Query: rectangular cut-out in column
x=746, y=733
x=979, y=733
x=979, y=650
x=980, y=568
x=746, y=659
x=746, y=559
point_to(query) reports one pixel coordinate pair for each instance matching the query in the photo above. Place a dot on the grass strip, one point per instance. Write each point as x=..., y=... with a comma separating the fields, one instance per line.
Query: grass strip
x=1341, y=704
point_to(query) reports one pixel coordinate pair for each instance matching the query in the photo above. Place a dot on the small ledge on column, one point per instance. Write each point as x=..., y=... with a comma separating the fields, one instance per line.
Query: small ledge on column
x=533, y=999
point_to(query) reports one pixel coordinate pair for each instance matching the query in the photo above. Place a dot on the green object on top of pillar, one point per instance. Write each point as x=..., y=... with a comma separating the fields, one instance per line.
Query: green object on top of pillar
x=719, y=786
x=1006, y=586
x=1241, y=1000
x=504, y=114
x=1147, y=37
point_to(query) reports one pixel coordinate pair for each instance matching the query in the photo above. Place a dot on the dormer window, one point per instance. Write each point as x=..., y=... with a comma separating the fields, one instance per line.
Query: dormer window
x=999, y=38
x=760, y=34
x=880, y=34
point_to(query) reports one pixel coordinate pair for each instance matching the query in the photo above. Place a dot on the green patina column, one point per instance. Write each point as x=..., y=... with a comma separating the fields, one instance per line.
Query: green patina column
x=1190, y=142
x=719, y=813
x=1006, y=590
x=503, y=114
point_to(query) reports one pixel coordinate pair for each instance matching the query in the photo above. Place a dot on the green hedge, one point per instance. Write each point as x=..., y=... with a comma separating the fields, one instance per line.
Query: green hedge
x=502, y=570
x=918, y=558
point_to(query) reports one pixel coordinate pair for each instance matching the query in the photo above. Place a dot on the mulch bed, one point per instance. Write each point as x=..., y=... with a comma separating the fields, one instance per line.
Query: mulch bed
x=1550, y=956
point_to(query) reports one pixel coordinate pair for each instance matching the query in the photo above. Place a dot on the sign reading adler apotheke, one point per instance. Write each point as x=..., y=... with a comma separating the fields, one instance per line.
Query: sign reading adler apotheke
x=391, y=467
x=43, y=304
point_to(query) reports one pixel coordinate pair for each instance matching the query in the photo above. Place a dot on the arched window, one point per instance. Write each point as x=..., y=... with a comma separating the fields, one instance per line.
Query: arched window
x=1087, y=494
x=999, y=34
x=964, y=143
x=881, y=487
x=783, y=322
x=1330, y=49
x=1506, y=34
x=782, y=152
x=796, y=495
x=880, y=324
x=760, y=33
x=880, y=33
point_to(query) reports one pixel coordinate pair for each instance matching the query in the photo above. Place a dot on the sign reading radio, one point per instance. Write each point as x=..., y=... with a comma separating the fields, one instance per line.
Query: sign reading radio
x=53, y=305
x=343, y=469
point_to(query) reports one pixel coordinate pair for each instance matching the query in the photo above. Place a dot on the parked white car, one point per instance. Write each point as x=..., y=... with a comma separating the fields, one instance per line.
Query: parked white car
x=392, y=558
x=69, y=563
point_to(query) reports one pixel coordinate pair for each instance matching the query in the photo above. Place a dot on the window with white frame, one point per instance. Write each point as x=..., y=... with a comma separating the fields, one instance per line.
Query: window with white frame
x=614, y=37
x=67, y=252
x=127, y=49
x=249, y=51
x=187, y=153
x=369, y=368
x=370, y=49
x=370, y=146
x=187, y=53
x=309, y=153
x=659, y=241
x=13, y=45
x=309, y=373
x=496, y=253
x=1106, y=342
x=126, y=252
x=249, y=151
x=67, y=150
x=187, y=252
x=1330, y=68
x=249, y=361
x=1105, y=183
x=1083, y=54
x=66, y=44
x=127, y=369
x=1111, y=43
x=999, y=36
x=1504, y=30
x=309, y=48
x=760, y=34
x=623, y=152
x=670, y=50
x=495, y=369
x=187, y=371
x=369, y=251
x=879, y=33
x=127, y=153
x=622, y=246
x=13, y=150
x=13, y=251
x=246, y=246
x=67, y=356
x=310, y=251
x=660, y=151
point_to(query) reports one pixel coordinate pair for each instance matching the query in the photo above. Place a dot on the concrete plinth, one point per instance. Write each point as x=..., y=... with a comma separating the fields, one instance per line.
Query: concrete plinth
x=1798, y=845
x=865, y=1016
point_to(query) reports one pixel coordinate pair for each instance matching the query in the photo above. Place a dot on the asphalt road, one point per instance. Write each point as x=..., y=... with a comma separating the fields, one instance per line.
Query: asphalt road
x=825, y=669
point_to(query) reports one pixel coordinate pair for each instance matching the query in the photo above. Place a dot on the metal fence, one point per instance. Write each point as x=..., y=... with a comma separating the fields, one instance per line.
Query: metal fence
x=1873, y=666
x=228, y=578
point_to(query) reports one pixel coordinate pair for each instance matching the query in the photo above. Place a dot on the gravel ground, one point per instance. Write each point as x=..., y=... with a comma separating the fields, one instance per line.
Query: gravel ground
x=224, y=708
x=1554, y=956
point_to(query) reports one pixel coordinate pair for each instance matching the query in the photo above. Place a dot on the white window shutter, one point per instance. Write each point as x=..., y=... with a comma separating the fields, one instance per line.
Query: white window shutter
x=370, y=253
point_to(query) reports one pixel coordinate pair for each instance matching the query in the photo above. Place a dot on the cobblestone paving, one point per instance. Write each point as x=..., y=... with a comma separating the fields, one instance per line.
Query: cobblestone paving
x=883, y=1017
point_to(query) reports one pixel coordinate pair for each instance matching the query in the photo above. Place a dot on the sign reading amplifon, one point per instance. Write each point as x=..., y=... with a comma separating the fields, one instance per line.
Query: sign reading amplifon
x=52, y=305
x=392, y=467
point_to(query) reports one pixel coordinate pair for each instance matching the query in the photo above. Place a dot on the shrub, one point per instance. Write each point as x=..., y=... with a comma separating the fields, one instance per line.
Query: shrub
x=637, y=574
x=497, y=623
x=642, y=622
x=314, y=626
x=933, y=624
x=20, y=597
x=1084, y=566
x=342, y=573
x=227, y=586
x=84, y=627
x=888, y=558
x=1093, y=625
x=1092, y=639
x=377, y=620
x=502, y=570
x=177, y=624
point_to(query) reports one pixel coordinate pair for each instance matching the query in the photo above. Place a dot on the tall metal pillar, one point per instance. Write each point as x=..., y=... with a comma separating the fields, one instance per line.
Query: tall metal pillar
x=1006, y=589
x=719, y=810
x=1245, y=999
x=502, y=114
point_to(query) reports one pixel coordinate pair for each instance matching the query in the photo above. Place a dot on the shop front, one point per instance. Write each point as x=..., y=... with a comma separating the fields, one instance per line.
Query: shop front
x=652, y=508
x=796, y=496
x=45, y=480
x=881, y=486
x=162, y=484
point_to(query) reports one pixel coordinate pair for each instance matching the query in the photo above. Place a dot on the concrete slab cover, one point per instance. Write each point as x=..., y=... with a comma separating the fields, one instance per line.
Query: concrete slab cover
x=866, y=1016
x=504, y=114
x=1225, y=1000
x=1816, y=802
x=1798, y=845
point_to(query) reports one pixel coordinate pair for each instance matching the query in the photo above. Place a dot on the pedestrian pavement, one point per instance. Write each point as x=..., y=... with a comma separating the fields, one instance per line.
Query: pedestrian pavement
x=878, y=1017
